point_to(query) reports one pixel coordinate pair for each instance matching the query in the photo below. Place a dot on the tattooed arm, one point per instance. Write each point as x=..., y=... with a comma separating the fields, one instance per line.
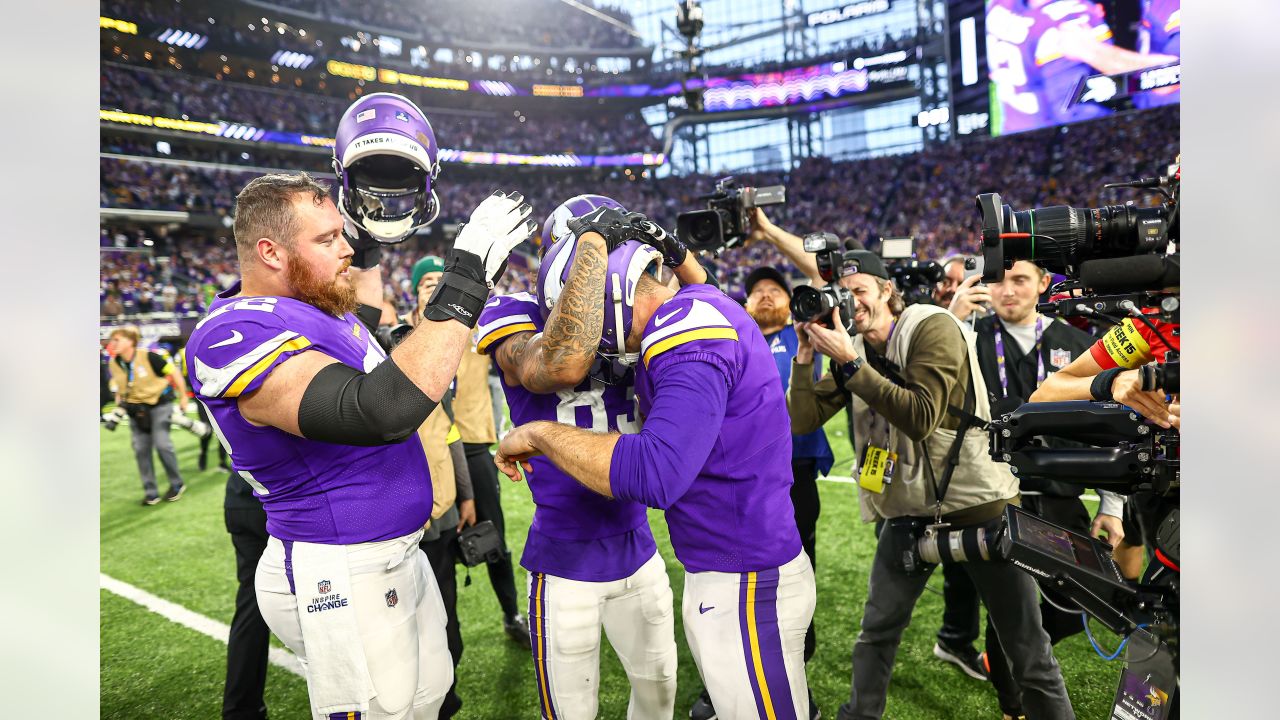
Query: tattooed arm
x=560, y=356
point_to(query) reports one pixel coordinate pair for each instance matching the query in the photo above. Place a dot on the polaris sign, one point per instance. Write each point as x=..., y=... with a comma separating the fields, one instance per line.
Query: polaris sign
x=848, y=12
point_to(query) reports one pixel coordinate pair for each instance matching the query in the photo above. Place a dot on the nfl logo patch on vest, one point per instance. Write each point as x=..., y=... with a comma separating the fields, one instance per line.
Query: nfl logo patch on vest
x=1059, y=358
x=323, y=587
x=392, y=598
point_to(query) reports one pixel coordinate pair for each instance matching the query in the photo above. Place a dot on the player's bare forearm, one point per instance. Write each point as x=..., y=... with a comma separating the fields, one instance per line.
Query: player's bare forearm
x=368, y=285
x=561, y=357
x=429, y=355
x=1072, y=382
x=691, y=272
x=583, y=454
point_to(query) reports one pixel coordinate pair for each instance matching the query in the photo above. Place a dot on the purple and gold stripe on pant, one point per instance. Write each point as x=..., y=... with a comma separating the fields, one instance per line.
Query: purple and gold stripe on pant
x=538, y=639
x=762, y=644
x=288, y=565
x=352, y=715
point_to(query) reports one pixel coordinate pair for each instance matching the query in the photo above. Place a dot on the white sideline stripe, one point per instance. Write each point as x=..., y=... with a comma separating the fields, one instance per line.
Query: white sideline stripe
x=190, y=619
x=845, y=479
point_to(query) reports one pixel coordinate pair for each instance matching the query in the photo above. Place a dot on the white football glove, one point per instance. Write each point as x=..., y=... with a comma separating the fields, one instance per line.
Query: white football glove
x=497, y=225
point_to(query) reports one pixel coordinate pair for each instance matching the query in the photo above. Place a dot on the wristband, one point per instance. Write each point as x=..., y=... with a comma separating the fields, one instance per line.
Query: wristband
x=851, y=367
x=462, y=292
x=366, y=257
x=1100, y=389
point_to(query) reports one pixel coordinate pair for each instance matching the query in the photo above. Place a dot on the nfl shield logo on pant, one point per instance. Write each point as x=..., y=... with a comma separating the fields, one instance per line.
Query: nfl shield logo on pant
x=392, y=599
x=324, y=587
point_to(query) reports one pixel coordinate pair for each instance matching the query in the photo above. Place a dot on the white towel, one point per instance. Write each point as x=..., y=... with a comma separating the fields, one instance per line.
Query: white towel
x=337, y=672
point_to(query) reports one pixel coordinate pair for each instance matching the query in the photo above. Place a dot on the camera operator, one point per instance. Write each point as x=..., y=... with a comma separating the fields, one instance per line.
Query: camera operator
x=1111, y=371
x=911, y=379
x=1018, y=349
x=146, y=385
x=953, y=274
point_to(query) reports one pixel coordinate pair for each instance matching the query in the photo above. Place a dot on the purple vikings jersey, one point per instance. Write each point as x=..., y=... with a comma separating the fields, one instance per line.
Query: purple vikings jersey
x=1034, y=81
x=736, y=514
x=312, y=491
x=576, y=533
x=1160, y=33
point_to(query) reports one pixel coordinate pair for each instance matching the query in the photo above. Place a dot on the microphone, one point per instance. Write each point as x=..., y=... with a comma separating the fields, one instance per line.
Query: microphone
x=1140, y=272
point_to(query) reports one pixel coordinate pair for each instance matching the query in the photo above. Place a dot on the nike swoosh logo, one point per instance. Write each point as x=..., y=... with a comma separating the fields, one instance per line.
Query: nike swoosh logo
x=703, y=610
x=235, y=338
x=657, y=321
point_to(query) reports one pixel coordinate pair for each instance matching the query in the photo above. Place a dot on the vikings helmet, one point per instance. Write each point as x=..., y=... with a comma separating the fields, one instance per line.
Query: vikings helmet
x=553, y=272
x=385, y=157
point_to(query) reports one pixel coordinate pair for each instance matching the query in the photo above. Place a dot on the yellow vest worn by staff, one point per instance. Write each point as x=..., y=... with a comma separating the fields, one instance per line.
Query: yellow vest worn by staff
x=472, y=405
x=145, y=381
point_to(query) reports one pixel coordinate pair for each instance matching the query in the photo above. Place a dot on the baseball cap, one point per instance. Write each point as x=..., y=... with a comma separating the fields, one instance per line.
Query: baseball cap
x=767, y=273
x=867, y=263
x=430, y=263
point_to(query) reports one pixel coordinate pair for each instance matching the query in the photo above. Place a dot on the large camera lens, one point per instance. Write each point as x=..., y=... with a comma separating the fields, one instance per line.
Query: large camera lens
x=1062, y=237
x=809, y=303
x=701, y=229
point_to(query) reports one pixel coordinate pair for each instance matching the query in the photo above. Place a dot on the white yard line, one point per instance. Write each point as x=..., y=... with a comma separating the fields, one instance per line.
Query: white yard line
x=845, y=479
x=190, y=619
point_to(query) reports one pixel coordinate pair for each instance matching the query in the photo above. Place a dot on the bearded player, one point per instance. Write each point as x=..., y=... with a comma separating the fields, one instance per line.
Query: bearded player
x=592, y=561
x=715, y=454
x=321, y=423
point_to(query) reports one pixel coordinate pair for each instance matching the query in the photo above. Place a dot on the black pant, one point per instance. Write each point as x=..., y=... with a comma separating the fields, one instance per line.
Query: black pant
x=1071, y=514
x=442, y=554
x=959, y=610
x=807, y=504
x=484, y=480
x=248, y=643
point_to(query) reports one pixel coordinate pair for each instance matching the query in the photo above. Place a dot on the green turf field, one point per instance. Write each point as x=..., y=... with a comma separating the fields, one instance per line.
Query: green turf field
x=153, y=668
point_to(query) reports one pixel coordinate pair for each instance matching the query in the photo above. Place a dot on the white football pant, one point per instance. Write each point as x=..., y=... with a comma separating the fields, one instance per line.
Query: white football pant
x=565, y=617
x=746, y=633
x=399, y=617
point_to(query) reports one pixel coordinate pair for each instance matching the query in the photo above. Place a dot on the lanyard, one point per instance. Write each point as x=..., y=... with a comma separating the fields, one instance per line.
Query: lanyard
x=1004, y=376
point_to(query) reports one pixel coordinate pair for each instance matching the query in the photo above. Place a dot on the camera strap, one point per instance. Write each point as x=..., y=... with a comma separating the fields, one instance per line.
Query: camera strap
x=967, y=420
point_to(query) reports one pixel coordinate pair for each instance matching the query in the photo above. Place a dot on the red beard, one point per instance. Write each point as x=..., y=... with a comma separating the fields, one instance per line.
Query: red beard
x=327, y=294
x=770, y=317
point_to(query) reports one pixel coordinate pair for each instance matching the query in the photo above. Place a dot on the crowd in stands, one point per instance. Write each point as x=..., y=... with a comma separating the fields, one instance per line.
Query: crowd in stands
x=929, y=195
x=179, y=95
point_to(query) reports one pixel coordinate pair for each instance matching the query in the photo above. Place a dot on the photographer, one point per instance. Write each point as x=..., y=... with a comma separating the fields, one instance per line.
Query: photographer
x=1018, y=349
x=952, y=276
x=911, y=379
x=146, y=385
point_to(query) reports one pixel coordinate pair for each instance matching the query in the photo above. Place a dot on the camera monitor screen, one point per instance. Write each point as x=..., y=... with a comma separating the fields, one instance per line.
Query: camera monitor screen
x=897, y=248
x=1039, y=51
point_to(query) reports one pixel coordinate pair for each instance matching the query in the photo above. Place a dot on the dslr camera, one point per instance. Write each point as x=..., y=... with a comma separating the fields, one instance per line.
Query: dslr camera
x=811, y=304
x=915, y=279
x=727, y=219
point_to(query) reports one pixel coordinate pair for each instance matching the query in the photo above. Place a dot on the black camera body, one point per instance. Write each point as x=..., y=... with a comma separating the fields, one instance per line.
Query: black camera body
x=810, y=304
x=915, y=279
x=727, y=219
x=480, y=543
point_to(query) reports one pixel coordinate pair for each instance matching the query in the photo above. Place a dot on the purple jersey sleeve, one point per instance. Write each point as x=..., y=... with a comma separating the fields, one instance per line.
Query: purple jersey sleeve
x=234, y=349
x=504, y=316
x=657, y=466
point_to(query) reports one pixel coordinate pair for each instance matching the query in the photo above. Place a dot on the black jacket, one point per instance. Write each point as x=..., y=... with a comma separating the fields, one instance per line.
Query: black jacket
x=1061, y=343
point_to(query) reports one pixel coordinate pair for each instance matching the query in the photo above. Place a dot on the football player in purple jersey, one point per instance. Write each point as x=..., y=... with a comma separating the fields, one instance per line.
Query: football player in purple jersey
x=715, y=454
x=592, y=561
x=321, y=422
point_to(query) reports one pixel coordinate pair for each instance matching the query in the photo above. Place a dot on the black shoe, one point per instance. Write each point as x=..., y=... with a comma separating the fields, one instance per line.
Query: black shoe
x=517, y=628
x=702, y=708
x=174, y=495
x=149, y=500
x=814, y=712
x=967, y=659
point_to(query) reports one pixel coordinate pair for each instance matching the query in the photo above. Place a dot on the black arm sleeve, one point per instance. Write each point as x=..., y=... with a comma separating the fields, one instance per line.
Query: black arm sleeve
x=347, y=407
